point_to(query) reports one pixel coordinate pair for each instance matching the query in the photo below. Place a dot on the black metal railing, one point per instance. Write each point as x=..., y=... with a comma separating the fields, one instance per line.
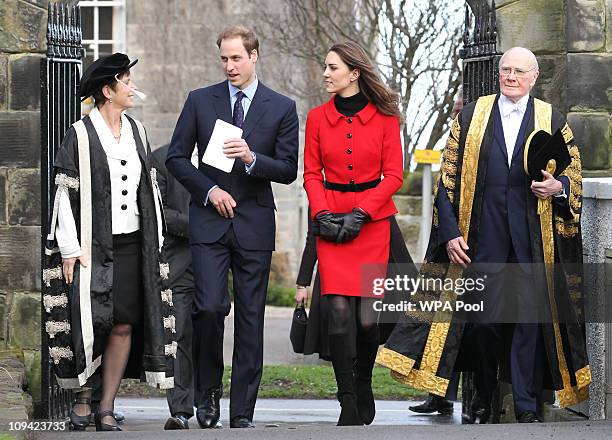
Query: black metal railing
x=480, y=78
x=479, y=52
x=60, y=72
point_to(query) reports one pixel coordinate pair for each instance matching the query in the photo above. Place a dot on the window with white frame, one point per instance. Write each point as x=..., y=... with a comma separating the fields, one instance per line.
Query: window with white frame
x=103, y=24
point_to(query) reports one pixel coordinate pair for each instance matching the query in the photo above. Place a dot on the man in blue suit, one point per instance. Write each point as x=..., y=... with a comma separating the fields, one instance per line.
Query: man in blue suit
x=231, y=219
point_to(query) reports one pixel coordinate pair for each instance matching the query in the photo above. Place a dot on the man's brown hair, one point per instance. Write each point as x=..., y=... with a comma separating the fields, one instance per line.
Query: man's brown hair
x=249, y=39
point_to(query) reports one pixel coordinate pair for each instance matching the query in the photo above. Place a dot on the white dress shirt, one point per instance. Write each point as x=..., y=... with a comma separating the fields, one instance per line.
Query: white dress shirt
x=125, y=168
x=247, y=99
x=511, y=117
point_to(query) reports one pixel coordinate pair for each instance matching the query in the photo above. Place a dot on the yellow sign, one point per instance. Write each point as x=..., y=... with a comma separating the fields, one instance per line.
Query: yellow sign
x=427, y=156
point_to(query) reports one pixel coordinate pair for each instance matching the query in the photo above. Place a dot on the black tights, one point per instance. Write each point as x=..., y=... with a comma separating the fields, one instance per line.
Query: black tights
x=341, y=316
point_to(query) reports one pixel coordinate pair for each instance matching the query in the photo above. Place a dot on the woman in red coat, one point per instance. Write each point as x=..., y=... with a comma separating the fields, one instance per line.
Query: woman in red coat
x=352, y=167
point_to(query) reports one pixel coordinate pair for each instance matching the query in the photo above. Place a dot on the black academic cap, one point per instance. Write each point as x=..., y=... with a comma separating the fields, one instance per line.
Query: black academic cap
x=102, y=72
x=542, y=147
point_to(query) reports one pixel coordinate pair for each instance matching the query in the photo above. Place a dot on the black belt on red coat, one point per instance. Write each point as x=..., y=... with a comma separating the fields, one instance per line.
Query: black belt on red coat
x=351, y=187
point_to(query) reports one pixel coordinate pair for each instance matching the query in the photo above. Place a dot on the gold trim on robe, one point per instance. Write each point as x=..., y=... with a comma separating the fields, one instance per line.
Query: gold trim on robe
x=569, y=395
x=425, y=377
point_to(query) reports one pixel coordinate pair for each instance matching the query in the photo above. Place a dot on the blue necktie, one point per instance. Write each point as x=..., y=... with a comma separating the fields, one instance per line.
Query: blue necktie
x=238, y=117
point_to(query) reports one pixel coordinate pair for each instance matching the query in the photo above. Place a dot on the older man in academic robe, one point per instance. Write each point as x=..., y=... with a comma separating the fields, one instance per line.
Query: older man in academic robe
x=487, y=225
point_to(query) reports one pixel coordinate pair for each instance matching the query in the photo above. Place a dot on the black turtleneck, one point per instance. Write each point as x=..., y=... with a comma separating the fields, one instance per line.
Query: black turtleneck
x=351, y=105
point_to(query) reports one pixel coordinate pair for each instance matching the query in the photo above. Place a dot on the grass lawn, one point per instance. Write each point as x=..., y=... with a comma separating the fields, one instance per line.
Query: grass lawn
x=298, y=382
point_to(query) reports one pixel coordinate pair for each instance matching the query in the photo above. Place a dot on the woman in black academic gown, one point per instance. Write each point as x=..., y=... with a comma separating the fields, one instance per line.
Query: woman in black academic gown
x=108, y=316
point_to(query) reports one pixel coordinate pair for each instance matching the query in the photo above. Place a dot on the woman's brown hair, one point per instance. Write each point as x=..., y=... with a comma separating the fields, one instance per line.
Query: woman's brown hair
x=370, y=84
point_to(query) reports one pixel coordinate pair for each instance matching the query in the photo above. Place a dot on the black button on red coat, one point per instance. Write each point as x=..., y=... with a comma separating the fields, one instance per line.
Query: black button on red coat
x=350, y=167
x=349, y=135
x=349, y=151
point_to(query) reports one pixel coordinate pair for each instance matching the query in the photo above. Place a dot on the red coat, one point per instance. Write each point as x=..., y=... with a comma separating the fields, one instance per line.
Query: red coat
x=355, y=149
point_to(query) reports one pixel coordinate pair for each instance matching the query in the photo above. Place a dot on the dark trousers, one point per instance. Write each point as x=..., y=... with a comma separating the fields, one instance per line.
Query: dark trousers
x=250, y=271
x=453, y=387
x=512, y=303
x=180, y=398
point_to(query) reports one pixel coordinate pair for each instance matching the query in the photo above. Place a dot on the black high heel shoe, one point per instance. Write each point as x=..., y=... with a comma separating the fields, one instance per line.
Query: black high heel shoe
x=100, y=426
x=77, y=422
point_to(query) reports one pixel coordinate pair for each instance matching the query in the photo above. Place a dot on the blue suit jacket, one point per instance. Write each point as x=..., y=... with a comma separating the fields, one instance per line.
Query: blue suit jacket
x=271, y=129
x=503, y=224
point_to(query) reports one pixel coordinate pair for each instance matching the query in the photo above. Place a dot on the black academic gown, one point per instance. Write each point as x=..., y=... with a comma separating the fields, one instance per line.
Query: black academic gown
x=76, y=350
x=426, y=348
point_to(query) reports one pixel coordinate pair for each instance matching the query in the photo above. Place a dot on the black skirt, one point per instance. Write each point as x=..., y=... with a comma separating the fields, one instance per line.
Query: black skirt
x=127, y=278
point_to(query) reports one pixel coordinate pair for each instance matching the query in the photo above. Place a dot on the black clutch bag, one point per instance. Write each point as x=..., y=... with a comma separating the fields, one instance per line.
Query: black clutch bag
x=545, y=152
x=297, y=335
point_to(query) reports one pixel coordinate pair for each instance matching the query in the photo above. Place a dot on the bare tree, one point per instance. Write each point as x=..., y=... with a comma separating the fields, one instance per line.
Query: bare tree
x=414, y=42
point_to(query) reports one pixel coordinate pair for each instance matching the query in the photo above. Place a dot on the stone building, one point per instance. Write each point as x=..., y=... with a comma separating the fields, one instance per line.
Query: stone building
x=175, y=42
x=22, y=46
x=573, y=42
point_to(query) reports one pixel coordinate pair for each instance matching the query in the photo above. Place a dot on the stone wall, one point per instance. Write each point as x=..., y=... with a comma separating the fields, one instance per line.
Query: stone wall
x=573, y=42
x=22, y=47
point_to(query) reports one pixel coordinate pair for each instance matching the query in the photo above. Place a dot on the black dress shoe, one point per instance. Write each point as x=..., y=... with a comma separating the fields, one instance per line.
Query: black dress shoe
x=209, y=411
x=433, y=404
x=528, y=417
x=77, y=422
x=241, y=422
x=176, y=422
x=103, y=426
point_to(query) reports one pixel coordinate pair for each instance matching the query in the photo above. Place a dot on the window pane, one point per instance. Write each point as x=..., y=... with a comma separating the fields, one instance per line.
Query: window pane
x=87, y=23
x=106, y=23
x=106, y=50
x=88, y=59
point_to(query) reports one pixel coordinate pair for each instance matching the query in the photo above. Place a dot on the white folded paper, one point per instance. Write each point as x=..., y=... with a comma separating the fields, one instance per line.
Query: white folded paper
x=213, y=155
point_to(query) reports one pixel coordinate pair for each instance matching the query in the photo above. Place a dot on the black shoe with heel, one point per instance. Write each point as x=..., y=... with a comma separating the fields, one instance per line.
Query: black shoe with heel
x=77, y=422
x=101, y=426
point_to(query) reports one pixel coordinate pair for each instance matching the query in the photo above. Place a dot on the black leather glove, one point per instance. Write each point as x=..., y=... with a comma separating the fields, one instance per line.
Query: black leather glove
x=327, y=225
x=351, y=225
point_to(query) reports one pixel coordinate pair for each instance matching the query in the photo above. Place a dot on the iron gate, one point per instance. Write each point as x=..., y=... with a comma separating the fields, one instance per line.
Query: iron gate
x=480, y=78
x=479, y=52
x=60, y=72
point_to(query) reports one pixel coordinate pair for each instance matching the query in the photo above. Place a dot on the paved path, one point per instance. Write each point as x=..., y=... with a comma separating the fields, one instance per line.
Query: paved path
x=150, y=414
x=541, y=431
x=315, y=420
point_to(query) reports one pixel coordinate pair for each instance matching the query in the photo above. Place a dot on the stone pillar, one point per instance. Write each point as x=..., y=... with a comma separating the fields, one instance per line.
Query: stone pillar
x=22, y=45
x=573, y=42
x=597, y=236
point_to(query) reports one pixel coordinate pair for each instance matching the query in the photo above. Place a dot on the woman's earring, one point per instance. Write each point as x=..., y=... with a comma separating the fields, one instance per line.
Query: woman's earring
x=110, y=100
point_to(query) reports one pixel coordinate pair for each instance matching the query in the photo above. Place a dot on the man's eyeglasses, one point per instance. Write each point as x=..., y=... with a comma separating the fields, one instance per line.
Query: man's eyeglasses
x=519, y=73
